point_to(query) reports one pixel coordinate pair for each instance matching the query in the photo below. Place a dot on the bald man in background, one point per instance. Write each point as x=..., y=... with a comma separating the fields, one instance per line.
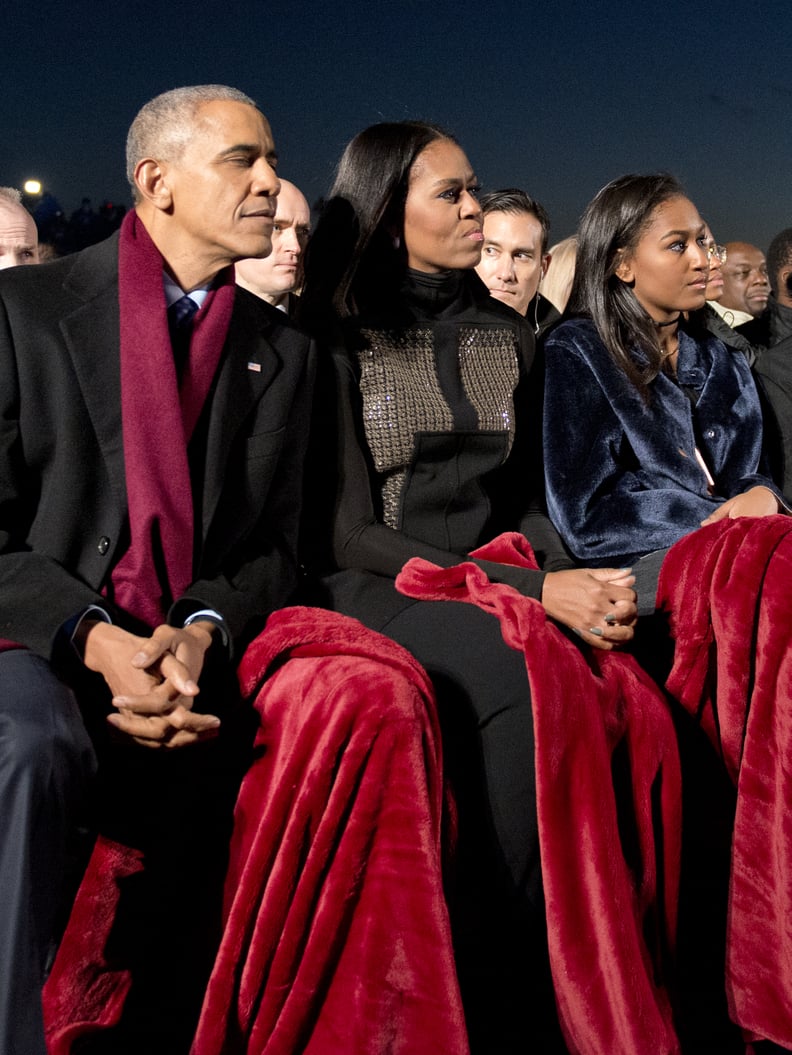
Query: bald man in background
x=18, y=234
x=275, y=277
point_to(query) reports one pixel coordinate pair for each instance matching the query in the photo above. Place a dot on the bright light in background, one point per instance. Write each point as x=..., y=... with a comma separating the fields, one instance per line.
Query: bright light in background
x=32, y=186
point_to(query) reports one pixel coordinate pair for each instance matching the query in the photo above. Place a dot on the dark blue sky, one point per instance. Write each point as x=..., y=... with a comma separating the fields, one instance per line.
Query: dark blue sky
x=557, y=97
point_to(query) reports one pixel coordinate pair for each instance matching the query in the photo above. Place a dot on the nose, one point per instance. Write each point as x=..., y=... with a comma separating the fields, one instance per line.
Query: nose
x=505, y=270
x=758, y=278
x=470, y=206
x=290, y=242
x=701, y=258
x=265, y=181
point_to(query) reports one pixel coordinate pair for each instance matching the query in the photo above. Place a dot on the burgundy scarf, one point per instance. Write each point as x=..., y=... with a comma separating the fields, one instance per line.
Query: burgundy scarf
x=159, y=415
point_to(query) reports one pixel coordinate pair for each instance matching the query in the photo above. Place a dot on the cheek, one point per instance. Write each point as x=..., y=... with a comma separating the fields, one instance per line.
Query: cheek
x=655, y=277
x=530, y=272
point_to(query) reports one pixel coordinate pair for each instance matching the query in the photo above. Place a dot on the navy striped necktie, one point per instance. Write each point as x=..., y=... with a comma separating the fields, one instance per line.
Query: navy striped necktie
x=180, y=317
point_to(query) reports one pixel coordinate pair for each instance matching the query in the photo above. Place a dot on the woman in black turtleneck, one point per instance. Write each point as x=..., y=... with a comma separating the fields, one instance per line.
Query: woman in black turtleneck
x=425, y=442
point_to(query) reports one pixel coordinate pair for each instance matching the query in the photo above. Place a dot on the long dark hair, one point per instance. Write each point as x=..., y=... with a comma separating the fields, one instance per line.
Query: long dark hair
x=355, y=256
x=612, y=225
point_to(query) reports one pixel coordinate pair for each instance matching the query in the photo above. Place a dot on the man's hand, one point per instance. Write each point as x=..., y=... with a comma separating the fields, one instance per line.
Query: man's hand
x=757, y=502
x=153, y=681
x=179, y=653
x=597, y=603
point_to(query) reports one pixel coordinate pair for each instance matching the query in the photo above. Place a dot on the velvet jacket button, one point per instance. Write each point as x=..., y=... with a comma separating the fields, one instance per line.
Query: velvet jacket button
x=103, y=545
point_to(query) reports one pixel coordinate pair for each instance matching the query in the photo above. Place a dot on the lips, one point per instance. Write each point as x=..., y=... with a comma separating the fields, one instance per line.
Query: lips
x=260, y=214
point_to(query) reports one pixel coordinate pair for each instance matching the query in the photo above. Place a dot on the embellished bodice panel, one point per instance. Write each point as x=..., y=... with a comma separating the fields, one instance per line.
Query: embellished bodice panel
x=438, y=379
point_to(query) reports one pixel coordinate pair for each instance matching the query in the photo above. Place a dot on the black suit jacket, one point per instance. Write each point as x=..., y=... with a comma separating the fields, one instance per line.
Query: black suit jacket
x=63, y=506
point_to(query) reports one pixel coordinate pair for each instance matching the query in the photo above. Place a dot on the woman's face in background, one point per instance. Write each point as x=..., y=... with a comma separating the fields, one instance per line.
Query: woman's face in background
x=442, y=215
x=715, y=276
x=669, y=267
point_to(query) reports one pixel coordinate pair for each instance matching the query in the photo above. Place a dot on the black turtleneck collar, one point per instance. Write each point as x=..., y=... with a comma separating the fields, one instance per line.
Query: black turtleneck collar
x=434, y=294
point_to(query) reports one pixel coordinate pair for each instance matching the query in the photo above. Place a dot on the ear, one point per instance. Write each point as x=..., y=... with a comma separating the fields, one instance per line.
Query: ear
x=546, y=263
x=785, y=279
x=151, y=182
x=623, y=269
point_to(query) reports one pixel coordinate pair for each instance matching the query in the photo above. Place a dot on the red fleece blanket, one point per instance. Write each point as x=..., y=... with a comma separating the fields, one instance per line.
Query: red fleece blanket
x=336, y=937
x=610, y=921
x=728, y=589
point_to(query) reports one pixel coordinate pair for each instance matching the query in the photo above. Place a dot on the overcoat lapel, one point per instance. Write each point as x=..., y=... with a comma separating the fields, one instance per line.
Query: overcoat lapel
x=88, y=331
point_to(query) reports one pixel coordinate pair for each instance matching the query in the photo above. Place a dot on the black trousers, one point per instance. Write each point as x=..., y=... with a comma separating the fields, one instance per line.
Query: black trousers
x=46, y=763
x=174, y=806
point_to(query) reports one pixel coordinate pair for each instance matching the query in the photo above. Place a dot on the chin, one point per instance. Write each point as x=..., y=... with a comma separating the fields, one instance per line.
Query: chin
x=256, y=249
x=502, y=297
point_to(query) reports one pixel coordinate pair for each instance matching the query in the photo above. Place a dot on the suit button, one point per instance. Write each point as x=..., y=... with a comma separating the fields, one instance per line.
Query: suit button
x=710, y=434
x=103, y=545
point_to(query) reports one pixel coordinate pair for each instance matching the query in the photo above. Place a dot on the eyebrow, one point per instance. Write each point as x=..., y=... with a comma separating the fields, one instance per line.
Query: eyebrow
x=684, y=232
x=516, y=249
x=250, y=148
x=453, y=181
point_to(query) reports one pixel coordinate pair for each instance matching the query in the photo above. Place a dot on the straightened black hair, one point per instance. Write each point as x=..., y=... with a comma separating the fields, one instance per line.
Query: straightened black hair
x=355, y=257
x=611, y=227
x=515, y=201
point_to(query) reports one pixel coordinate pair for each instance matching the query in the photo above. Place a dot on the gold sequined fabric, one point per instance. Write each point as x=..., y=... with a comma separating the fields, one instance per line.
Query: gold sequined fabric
x=402, y=396
x=489, y=368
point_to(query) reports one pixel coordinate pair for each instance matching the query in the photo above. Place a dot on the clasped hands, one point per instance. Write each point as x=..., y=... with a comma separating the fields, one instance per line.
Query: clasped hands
x=153, y=681
x=599, y=604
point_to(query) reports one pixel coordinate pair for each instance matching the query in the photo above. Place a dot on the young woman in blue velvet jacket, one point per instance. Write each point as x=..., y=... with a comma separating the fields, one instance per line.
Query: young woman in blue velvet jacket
x=652, y=425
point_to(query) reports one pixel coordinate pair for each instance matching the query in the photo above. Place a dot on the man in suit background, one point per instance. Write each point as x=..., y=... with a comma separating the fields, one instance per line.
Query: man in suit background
x=514, y=258
x=150, y=475
x=274, y=278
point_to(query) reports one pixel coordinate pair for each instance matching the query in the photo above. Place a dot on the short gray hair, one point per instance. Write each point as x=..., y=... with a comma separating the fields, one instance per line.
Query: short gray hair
x=163, y=126
x=11, y=194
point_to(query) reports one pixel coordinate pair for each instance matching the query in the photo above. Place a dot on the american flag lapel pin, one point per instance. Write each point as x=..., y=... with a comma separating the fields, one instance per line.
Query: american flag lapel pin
x=255, y=367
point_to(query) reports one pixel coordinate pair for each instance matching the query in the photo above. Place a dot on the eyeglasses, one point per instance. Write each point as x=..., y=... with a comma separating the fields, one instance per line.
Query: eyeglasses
x=717, y=251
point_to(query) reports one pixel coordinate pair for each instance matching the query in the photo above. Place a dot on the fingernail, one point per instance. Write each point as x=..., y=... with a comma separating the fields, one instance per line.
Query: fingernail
x=576, y=631
x=595, y=630
x=140, y=657
x=610, y=618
